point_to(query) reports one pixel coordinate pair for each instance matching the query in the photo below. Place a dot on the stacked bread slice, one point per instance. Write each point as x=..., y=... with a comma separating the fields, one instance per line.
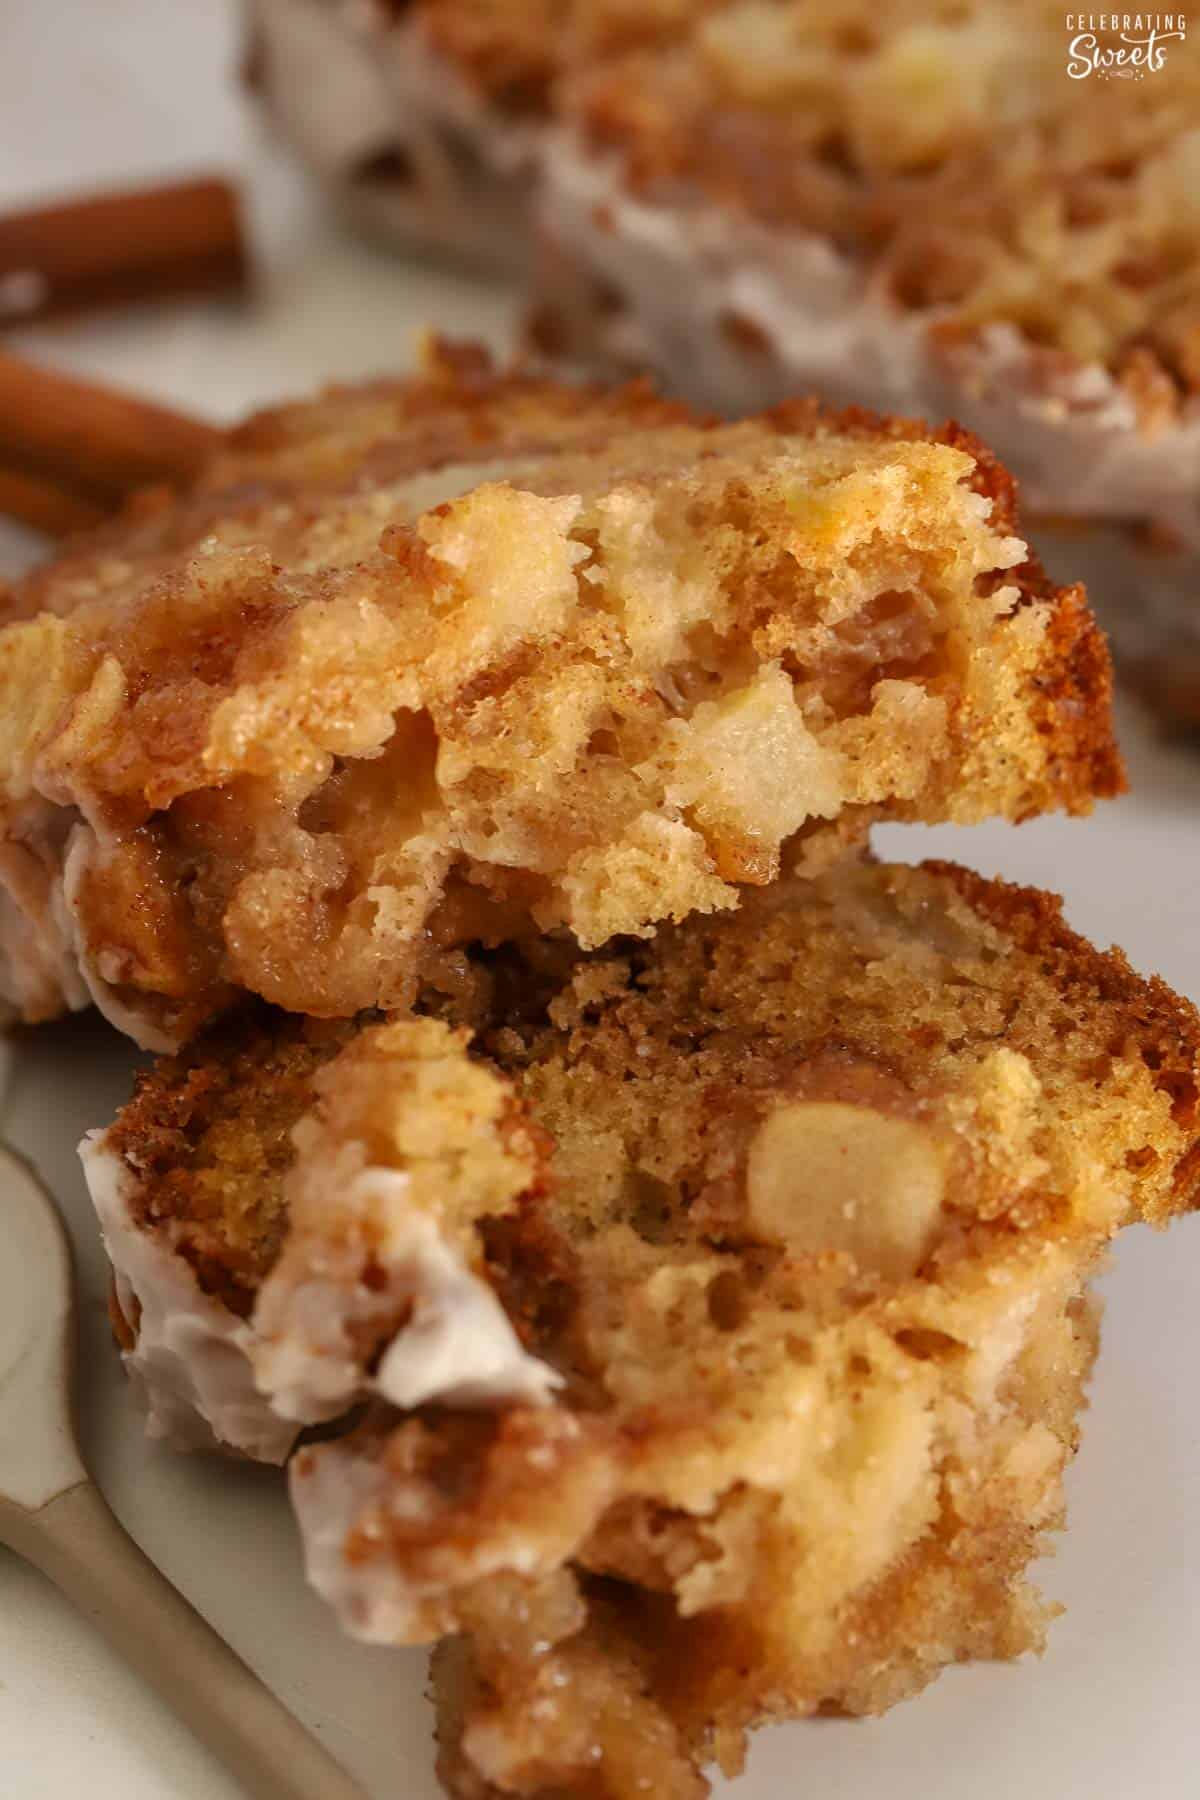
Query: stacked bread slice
x=677, y=1223
x=948, y=210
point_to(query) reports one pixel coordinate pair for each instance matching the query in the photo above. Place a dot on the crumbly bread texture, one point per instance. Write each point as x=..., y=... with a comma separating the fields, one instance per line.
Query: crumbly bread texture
x=446, y=660
x=795, y=1208
x=513, y=52
x=920, y=207
x=425, y=121
x=946, y=143
x=292, y=1211
x=1010, y=250
x=912, y=207
x=949, y=146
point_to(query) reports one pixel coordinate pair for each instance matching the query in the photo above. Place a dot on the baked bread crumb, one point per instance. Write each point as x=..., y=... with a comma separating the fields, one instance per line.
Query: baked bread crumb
x=448, y=660
x=794, y=1208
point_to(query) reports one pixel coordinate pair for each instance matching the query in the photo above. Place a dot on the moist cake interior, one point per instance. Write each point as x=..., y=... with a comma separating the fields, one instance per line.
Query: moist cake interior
x=453, y=660
x=799, y=1207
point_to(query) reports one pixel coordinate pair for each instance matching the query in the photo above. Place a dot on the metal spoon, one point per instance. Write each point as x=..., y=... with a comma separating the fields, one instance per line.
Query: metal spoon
x=52, y=1513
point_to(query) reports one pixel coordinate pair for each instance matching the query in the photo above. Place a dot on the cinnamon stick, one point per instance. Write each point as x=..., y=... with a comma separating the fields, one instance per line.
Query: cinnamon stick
x=109, y=249
x=94, y=442
x=44, y=506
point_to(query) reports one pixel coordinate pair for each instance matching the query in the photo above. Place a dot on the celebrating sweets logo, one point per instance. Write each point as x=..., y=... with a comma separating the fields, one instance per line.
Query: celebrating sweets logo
x=1121, y=46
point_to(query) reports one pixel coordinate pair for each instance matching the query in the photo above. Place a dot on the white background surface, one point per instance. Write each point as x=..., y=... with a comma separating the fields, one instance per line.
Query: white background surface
x=98, y=91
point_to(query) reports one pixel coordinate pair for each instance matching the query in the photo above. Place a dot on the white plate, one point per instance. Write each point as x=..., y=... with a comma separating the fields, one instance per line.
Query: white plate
x=97, y=90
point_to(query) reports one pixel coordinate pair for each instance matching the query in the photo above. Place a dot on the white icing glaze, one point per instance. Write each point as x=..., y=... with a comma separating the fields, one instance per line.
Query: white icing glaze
x=1072, y=434
x=328, y=92
x=334, y=1488
x=421, y=77
x=191, y=1358
x=457, y=1344
x=330, y=1490
x=212, y=1378
x=344, y=83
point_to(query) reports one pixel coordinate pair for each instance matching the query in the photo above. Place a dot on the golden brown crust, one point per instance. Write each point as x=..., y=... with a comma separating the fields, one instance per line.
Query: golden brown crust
x=884, y=992
x=1074, y=688
x=1138, y=1010
x=203, y=1171
x=706, y=1671
x=574, y=652
x=307, y=453
x=799, y=1205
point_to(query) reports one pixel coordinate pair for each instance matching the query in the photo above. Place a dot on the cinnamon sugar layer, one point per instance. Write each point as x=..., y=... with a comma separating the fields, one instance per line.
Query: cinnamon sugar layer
x=431, y=662
x=795, y=1209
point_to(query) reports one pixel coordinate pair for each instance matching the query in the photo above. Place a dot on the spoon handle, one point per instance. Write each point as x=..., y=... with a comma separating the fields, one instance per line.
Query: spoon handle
x=78, y=1543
